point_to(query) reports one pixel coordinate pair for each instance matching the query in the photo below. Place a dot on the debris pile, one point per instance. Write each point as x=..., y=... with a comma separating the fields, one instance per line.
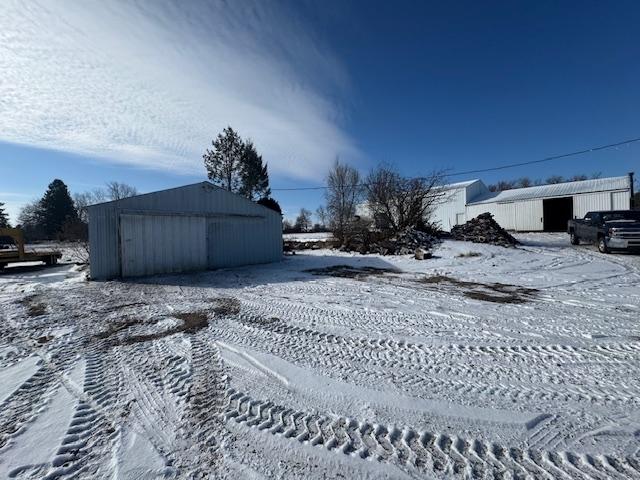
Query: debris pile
x=293, y=245
x=483, y=229
x=403, y=243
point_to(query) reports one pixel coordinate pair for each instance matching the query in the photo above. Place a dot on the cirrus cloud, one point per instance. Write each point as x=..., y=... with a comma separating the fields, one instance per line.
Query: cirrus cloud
x=150, y=83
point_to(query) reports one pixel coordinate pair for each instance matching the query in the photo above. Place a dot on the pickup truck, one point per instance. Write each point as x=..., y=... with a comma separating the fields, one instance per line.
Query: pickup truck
x=609, y=230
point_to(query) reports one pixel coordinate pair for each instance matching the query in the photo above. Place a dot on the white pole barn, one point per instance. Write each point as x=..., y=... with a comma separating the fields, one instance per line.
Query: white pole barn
x=539, y=208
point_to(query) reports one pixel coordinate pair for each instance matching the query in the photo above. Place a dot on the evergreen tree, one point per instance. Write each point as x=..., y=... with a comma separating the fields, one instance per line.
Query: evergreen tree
x=4, y=218
x=270, y=203
x=56, y=208
x=224, y=162
x=254, y=176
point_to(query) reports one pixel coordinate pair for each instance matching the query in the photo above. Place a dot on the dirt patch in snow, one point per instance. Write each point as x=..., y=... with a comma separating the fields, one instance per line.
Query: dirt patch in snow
x=348, y=271
x=191, y=323
x=34, y=307
x=226, y=306
x=488, y=292
x=117, y=327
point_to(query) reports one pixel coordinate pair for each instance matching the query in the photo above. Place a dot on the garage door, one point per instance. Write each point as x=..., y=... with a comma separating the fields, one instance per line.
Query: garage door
x=151, y=244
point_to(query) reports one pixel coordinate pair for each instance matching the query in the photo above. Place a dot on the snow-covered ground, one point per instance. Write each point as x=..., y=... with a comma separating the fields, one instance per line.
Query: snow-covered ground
x=308, y=237
x=481, y=362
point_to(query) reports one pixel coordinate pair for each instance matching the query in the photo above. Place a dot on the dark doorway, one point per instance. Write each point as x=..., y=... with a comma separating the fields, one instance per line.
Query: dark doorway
x=556, y=212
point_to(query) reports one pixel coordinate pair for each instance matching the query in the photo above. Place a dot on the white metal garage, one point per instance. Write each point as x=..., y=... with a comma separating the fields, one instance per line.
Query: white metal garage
x=538, y=208
x=189, y=228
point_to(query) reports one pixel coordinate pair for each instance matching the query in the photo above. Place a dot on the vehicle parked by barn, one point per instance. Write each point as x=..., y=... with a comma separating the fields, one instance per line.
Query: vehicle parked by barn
x=609, y=230
x=13, y=250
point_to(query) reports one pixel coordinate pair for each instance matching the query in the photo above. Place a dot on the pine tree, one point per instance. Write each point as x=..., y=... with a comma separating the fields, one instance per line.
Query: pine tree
x=4, y=218
x=254, y=176
x=56, y=208
x=270, y=203
x=224, y=162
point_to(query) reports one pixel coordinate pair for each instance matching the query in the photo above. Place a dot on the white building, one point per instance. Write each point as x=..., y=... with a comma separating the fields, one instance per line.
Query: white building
x=539, y=208
x=195, y=227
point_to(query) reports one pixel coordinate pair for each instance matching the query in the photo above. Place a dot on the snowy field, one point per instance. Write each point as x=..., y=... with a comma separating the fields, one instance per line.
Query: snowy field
x=482, y=362
x=308, y=237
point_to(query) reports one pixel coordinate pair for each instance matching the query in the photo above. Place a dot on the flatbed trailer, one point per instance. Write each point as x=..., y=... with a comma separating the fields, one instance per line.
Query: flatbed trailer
x=19, y=255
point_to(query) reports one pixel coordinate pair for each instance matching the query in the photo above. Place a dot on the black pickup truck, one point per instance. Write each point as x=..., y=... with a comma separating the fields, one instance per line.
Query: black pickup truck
x=609, y=230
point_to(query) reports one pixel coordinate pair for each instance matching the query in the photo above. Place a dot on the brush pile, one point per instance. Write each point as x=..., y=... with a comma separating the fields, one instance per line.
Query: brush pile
x=483, y=229
x=403, y=243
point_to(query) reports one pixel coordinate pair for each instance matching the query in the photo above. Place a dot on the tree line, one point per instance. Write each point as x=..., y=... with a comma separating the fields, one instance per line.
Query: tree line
x=59, y=216
x=524, y=182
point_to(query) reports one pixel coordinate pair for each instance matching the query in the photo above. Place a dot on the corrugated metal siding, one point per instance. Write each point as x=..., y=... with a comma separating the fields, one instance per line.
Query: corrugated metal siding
x=447, y=212
x=527, y=215
x=559, y=190
x=451, y=209
x=599, y=201
x=198, y=199
x=523, y=216
x=162, y=244
x=475, y=190
x=620, y=200
x=238, y=242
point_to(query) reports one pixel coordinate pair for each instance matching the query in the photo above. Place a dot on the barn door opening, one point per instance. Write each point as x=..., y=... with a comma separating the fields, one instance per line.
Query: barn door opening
x=556, y=212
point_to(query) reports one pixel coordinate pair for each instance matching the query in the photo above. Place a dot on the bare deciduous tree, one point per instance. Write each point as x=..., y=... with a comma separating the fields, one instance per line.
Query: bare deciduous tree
x=321, y=214
x=118, y=191
x=397, y=203
x=84, y=199
x=303, y=220
x=112, y=191
x=343, y=194
x=524, y=182
x=555, y=179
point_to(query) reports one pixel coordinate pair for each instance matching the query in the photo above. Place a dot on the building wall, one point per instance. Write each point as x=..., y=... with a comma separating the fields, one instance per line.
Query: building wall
x=527, y=215
x=451, y=209
x=600, y=201
x=238, y=230
x=524, y=215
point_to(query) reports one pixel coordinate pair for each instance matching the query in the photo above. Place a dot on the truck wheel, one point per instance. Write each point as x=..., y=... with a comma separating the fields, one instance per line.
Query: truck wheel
x=574, y=239
x=602, y=245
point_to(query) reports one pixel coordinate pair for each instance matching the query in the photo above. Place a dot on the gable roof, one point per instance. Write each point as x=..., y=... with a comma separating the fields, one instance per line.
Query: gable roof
x=205, y=184
x=467, y=183
x=557, y=190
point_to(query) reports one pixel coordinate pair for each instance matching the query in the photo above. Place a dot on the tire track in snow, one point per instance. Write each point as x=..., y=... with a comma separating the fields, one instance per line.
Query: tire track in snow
x=417, y=369
x=395, y=323
x=417, y=452
x=88, y=445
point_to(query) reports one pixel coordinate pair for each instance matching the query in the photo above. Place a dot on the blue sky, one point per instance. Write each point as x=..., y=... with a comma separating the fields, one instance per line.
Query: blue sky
x=134, y=91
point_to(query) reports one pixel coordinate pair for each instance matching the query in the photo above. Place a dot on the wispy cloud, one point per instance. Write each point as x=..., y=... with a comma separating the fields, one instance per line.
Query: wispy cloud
x=150, y=83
